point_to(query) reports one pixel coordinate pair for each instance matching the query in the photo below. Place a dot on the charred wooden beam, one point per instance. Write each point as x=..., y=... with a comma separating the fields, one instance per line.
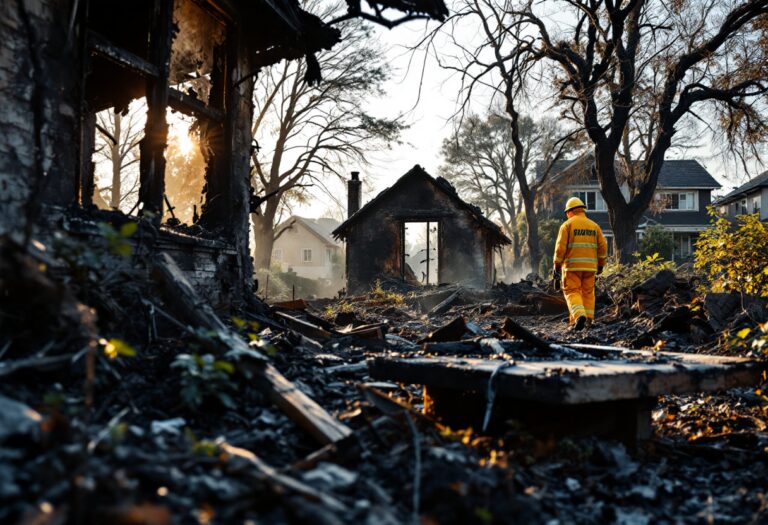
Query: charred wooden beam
x=87, y=168
x=103, y=47
x=189, y=105
x=152, y=147
x=304, y=411
x=575, y=381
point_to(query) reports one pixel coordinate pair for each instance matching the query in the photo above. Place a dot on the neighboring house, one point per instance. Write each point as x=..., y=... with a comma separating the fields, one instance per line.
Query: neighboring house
x=683, y=193
x=751, y=197
x=308, y=248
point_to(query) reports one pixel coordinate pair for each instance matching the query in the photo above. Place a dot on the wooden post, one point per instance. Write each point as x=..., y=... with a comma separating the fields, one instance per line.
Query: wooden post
x=152, y=147
x=87, y=146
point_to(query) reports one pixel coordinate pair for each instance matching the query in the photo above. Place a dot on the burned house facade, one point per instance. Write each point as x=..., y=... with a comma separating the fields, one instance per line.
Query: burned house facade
x=184, y=63
x=459, y=242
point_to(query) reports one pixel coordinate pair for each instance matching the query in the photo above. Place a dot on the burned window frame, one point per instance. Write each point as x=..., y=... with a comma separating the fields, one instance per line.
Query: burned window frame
x=155, y=70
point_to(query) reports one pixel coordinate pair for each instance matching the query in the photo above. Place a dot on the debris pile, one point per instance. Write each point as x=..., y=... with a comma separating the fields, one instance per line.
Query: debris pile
x=147, y=406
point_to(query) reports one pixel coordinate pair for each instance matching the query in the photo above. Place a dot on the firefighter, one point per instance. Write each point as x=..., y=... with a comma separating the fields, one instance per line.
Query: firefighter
x=580, y=254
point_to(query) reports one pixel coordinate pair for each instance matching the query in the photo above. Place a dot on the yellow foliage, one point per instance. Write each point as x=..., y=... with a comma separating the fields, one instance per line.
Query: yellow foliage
x=734, y=257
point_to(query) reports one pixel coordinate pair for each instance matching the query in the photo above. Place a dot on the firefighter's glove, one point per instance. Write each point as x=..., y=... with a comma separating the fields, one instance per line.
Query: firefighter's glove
x=556, y=277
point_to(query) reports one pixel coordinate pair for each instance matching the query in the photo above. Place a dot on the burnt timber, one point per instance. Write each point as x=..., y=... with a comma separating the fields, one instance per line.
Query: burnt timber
x=591, y=391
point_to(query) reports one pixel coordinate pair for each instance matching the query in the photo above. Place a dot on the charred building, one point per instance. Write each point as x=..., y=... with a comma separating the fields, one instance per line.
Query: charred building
x=66, y=65
x=457, y=240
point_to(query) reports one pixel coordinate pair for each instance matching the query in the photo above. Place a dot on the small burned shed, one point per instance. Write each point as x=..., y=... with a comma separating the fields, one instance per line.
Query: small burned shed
x=460, y=240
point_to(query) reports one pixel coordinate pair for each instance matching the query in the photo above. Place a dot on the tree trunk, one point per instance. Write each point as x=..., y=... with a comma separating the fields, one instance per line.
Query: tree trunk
x=117, y=161
x=532, y=221
x=263, y=240
x=623, y=218
x=625, y=238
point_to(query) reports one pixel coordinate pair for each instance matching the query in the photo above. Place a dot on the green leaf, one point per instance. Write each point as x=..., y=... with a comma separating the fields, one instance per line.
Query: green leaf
x=128, y=229
x=117, y=347
x=239, y=323
x=225, y=366
x=122, y=249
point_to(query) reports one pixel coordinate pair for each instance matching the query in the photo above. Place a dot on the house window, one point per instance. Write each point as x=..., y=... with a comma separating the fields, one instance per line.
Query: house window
x=593, y=199
x=742, y=210
x=329, y=255
x=277, y=254
x=756, y=204
x=306, y=255
x=679, y=200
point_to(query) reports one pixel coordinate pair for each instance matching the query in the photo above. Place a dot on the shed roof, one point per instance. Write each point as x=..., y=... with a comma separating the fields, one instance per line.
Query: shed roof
x=441, y=185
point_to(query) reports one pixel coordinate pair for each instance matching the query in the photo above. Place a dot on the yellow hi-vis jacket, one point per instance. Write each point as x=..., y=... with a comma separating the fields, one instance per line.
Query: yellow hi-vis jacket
x=581, y=245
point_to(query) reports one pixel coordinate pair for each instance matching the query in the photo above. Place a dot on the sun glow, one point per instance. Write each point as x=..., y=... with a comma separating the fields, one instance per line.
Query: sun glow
x=186, y=143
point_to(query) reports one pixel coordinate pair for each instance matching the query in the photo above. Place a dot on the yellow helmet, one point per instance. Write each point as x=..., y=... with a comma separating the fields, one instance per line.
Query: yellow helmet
x=573, y=203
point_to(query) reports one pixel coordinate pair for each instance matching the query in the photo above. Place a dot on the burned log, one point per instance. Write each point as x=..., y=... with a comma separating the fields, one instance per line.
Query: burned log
x=295, y=404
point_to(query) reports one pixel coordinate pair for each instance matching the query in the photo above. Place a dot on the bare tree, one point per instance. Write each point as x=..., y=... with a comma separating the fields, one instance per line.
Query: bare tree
x=611, y=60
x=306, y=135
x=482, y=52
x=120, y=133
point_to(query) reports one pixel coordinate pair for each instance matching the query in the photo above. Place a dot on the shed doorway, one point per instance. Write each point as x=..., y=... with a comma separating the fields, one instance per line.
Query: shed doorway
x=420, y=262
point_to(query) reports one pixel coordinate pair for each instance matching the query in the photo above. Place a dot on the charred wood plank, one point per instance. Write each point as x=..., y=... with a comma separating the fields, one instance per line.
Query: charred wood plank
x=295, y=404
x=304, y=327
x=189, y=105
x=573, y=381
x=284, y=482
x=152, y=146
x=445, y=305
x=302, y=409
x=102, y=46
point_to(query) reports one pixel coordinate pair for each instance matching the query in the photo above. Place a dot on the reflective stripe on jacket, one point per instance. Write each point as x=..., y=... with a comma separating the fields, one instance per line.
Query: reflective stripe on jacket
x=580, y=244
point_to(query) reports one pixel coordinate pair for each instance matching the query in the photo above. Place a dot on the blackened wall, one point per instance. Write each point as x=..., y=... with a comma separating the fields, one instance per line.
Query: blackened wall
x=39, y=107
x=374, y=241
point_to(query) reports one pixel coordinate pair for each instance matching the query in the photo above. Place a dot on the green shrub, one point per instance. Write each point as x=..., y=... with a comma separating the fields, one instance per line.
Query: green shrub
x=548, y=230
x=734, y=256
x=204, y=378
x=657, y=239
x=618, y=277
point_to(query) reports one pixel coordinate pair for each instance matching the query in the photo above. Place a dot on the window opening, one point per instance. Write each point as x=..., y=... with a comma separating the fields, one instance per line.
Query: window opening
x=593, y=199
x=185, y=166
x=421, y=255
x=116, y=156
x=196, y=46
x=306, y=255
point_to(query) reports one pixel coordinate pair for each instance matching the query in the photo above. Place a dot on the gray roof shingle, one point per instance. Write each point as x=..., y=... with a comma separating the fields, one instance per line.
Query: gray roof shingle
x=674, y=173
x=761, y=181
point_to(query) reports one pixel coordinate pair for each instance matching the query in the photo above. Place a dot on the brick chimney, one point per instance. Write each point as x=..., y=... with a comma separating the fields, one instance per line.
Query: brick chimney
x=353, y=193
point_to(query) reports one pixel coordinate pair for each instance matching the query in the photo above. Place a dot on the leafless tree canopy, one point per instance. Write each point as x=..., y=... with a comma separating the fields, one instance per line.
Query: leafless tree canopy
x=306, y=134
x=629, y=73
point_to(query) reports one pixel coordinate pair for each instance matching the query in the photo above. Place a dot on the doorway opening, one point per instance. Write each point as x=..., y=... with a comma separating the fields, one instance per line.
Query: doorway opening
x=421, y=252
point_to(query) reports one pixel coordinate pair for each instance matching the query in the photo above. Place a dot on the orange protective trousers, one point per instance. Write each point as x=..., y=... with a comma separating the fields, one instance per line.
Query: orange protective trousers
x=579, y=291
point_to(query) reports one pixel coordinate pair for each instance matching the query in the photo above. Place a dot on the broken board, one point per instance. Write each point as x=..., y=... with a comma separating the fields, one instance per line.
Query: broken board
x=568, y=397
x=576, y=381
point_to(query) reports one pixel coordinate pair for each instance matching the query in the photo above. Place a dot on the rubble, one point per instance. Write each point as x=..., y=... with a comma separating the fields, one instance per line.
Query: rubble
x=312, y=433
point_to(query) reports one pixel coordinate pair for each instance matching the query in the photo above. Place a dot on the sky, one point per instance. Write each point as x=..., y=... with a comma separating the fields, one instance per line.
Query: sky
x=428, y=113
